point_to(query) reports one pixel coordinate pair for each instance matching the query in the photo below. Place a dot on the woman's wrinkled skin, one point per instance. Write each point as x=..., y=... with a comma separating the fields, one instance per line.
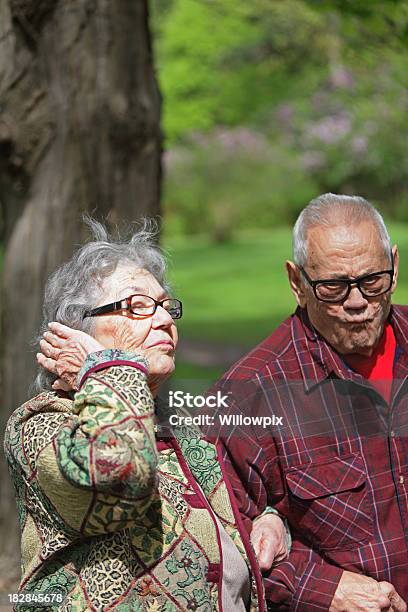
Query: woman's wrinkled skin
x=64, y=350
x=154, y=338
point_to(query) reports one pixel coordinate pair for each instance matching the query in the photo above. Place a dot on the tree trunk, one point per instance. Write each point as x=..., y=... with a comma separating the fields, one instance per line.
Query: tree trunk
x=79, y=131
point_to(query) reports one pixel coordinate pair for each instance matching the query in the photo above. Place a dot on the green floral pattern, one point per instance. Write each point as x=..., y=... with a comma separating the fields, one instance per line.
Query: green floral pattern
x=99, y=358
x=114, y=528
x=202, y=460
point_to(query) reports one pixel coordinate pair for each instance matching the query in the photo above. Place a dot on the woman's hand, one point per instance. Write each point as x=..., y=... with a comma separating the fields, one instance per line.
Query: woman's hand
x=64, y=351
x=268, y=537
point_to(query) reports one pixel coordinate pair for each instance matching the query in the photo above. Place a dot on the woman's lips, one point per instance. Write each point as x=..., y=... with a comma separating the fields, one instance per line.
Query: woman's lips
x=164, y=343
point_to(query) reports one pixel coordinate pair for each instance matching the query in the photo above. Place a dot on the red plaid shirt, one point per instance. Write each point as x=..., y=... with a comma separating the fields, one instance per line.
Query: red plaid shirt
x=337, y=468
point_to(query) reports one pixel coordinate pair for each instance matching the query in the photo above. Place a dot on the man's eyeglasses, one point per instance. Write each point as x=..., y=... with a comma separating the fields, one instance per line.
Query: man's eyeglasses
x=336, y=290
x=141, y=305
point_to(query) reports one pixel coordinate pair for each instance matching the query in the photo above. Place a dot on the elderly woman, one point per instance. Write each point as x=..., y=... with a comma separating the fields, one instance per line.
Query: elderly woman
x=113, y=515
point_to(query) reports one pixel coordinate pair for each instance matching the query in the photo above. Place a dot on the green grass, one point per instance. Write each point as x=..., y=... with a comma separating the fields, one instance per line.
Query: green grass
x=238, y=293
x=231, y=292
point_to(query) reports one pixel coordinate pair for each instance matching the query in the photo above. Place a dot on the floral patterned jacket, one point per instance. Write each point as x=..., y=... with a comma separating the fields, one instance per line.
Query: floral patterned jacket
x=112, y=519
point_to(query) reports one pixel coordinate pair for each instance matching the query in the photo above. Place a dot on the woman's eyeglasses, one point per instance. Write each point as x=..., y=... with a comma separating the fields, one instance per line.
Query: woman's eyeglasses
x=141, y=305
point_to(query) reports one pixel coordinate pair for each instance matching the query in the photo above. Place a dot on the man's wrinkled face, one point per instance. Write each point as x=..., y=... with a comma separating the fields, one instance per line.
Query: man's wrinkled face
x=354, y=325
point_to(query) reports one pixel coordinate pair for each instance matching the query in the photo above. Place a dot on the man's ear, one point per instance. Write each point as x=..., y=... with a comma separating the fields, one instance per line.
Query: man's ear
x=296, y=284
x=396, y=262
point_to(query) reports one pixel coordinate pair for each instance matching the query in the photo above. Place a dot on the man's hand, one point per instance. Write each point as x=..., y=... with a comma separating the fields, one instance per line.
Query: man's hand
x=358, y=593
x=269, y=540
x=64, y=351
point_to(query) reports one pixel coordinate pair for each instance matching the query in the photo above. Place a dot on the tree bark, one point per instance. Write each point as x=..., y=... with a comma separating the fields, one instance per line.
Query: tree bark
x=79, y=131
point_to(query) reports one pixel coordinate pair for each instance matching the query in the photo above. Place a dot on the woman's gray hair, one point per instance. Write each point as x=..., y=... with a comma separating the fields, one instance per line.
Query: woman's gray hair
x=329, y=209
x=77, y=285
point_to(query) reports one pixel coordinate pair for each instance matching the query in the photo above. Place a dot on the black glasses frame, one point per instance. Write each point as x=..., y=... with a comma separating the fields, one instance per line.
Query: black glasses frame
x=115, y=306
x=350, y=282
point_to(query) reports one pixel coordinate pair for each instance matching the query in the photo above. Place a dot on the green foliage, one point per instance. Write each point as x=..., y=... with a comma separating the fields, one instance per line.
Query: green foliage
x=386, y=19
x=219, y=61
x=321, y=82
x=229, y=174
x=230, y=61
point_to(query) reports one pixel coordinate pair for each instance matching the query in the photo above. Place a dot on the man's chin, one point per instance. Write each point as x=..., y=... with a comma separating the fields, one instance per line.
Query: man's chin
x=359, y=343
x=355, y=339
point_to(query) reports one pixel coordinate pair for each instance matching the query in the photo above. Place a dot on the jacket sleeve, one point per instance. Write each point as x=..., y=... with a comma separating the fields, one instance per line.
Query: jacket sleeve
x=99, y=468
x=305, y=581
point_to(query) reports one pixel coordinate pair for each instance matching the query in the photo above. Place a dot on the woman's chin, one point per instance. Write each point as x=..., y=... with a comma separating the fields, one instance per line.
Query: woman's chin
x=162, y=367
x=159, y=372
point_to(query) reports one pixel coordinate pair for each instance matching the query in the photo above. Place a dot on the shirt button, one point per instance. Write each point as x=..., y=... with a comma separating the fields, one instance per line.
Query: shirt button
x=392, y=433
x=401, y=479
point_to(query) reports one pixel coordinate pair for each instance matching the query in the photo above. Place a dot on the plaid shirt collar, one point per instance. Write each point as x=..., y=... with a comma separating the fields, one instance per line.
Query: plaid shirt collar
x=319, y=361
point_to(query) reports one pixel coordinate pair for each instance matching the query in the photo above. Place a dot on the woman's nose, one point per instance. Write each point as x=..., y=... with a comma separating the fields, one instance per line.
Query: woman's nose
x=161, y=318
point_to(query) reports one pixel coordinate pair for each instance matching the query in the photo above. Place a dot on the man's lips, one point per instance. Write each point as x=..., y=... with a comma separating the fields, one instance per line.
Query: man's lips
x=358, y=321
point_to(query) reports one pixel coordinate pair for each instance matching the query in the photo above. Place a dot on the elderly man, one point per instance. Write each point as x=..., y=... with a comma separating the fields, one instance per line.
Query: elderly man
x=334, y=375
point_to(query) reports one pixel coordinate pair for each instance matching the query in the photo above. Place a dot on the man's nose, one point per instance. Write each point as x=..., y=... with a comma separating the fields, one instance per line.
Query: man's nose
x=355, y=299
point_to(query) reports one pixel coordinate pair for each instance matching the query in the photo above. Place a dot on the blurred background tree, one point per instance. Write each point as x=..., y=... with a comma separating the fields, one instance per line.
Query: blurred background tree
x=79, y=131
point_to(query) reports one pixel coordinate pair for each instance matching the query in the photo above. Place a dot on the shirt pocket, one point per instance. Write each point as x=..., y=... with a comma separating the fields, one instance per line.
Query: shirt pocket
x=329, y=502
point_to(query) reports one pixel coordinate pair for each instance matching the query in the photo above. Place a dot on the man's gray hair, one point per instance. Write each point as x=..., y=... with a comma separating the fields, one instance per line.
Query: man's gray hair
x=77, y=285
x=329, y=209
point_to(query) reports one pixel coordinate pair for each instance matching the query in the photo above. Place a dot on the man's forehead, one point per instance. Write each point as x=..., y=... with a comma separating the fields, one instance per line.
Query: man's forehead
x=343, y=245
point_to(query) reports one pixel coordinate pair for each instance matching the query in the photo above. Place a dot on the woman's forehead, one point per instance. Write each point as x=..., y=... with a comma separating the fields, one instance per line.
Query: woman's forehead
x=131, y=279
